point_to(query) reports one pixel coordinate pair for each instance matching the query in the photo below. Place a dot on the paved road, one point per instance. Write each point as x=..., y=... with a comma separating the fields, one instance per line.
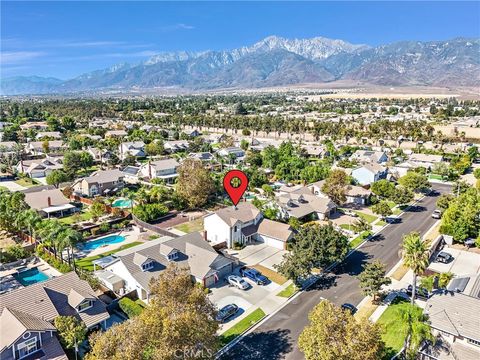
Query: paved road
x=277, y=337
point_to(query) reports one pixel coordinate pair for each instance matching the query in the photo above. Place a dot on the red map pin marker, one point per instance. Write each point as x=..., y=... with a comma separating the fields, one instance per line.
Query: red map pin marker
x=235, y=193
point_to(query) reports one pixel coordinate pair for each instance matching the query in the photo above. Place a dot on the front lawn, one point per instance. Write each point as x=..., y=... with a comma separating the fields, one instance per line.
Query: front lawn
x=27, y=182
x=86, y=263
x=359, y=239
x=242, y=326
x=77, y=217
x=288, y=291
x=381, y=223
x=272, y=275
x=367, y=217
x=191, y=226
x=393, y=327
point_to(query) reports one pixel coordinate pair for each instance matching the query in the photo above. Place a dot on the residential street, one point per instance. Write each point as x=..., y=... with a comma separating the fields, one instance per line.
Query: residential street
x=277, y=337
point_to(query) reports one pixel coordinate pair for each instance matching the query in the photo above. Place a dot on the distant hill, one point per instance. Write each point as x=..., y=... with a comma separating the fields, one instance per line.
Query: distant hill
x=276, y=61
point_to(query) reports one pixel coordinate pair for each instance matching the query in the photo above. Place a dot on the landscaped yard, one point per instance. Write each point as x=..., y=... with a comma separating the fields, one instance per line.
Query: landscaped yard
x=241, y=326
x=359, y=239
x=435, y=177
x=367, y=217
x=26, y=182
x=393, y=326
x=86, y=263
x=381, y=223
x=78, y=217
x=346, y=226
x=288, y=291
x=191, y=226
x=272, y=275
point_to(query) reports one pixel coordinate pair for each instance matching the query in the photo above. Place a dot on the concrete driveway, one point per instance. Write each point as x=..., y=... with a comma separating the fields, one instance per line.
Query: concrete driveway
x=12, y=186
x=464, y=263
x=259, y=253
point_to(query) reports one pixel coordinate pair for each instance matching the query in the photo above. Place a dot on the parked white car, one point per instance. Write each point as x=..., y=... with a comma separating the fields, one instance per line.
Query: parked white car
x=238, y=282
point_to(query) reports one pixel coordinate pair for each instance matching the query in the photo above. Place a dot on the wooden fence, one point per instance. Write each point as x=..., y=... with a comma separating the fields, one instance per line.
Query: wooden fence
x=153, y=228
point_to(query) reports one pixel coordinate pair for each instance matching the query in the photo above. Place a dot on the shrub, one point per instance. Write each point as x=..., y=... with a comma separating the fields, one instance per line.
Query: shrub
x=92, y=280
x=149, y=212
x=104, y=227
x=238, y=246
x=130, y=307
x=14, y=253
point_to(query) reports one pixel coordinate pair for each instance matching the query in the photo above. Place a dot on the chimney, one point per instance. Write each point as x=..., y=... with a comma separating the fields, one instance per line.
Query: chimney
x=49, y=201
x=205, y=235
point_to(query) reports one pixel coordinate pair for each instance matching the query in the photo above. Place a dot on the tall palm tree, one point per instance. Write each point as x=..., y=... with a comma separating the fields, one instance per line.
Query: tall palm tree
x=415, y=255
x=416, y=329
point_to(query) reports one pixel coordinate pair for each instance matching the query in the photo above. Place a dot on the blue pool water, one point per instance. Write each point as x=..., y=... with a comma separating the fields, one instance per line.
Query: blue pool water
x=122, y=203
x=30, y=277
x=107, y=240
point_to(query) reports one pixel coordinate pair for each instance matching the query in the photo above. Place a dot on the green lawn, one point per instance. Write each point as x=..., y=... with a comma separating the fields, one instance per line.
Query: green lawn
x=397, y=211
x=86, y=263
x=288, y=291
x=241, y=326
x=27, y=182
x=435, y=177
x=391, y=204
x=367, y=217
x=191, y=226
x=381, y=223
x=359, y=239
x=72, y=219
x=393, y=327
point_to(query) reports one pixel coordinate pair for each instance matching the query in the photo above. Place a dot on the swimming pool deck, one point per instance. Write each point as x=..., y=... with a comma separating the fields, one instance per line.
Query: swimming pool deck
x=130, y=236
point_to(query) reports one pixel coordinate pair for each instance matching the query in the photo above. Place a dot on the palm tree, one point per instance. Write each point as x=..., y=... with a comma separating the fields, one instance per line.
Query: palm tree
x=70, y=238
x=416, y=256
x=416, y=329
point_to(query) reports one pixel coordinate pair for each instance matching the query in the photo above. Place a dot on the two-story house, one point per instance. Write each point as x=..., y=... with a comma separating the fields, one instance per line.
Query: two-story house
x=304, y=204
x=132, y=148
x=243, y=224
x=369, y=156
x=165, y=169
x=175, y=146
x=101, y=182
x=40, y=167
x=369, y=173
x=45, y=147
x=27, y=316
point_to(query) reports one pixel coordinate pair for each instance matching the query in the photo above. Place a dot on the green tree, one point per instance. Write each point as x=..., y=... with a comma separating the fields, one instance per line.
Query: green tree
x=401, y=195
x=334, y=334
x=415, y=331
x=194, y=183
x=154, y=148
x=335, y=186
x=443, y=201
x=71, y=331
x=98, y=208
x=361, y=225
x=57, y=177
x=372, y=278
x=382, y=208
x=383, y=188
x=314, y=246
x=414, y=181
x=415, y=255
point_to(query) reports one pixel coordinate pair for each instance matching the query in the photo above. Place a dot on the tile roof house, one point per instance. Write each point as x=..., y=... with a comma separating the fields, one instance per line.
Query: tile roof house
x=136, y=266
x=49, y=135
x=28, y=314
x=39, y=167
x=424, y=160
x=37, y=147
x=243, y=224
x=99, y=183
x=165, y=169
x=115, y=134
x=50, y=203
x=455, y=319
x=176, y=145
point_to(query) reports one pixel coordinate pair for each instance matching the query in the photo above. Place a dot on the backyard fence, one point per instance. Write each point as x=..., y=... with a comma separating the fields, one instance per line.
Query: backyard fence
x=153, y=228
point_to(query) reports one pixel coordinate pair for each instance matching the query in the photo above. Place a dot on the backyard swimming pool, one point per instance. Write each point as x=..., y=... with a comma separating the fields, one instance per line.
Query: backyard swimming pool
x=107, y=240
x=30, y=276
x=122, y=203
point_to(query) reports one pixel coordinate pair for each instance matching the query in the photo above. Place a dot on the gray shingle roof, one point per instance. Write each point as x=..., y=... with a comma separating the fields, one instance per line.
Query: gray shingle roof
x=244, y=212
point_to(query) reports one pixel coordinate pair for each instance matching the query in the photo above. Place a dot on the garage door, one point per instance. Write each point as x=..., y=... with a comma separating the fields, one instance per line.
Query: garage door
x=277, y=244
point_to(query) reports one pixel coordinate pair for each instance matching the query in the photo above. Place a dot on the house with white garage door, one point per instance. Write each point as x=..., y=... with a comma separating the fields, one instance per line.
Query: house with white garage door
x=245, y=224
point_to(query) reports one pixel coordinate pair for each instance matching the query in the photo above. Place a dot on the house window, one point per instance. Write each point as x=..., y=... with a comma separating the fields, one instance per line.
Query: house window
x=235, y=229
x=473, y=342
x=85, y=305
x=27, y=347
x=147, y=266
x=172, y=256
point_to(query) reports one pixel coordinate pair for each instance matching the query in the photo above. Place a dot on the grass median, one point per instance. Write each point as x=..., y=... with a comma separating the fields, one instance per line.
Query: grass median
x=241, y=326
x=288, y=291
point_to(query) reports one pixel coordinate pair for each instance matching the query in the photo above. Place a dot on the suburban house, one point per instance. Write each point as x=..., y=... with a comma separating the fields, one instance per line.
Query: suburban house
x=425, y=160
x=49, y=135
x=316, y=151
x=100, y=183
x=39, y=167
x=132, y=148
x=192, y=133
x=131, y=174
x=49, y=202
x=100, y=155
x=357, y=195
x=455, y=321
x=28, y=314
x=115, y=134
x=175, y=146
x=165, y=169
x=203, y=156
x=38, y=147
x=244, y=224
x=135, y=267
x=214, y=138
x=304, y=204
x=7, y=147
x=369, y=156
x=369, y=173
x=232, y=152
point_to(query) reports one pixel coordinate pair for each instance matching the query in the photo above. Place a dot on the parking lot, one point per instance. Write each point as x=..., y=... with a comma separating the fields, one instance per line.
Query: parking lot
x=463, y=263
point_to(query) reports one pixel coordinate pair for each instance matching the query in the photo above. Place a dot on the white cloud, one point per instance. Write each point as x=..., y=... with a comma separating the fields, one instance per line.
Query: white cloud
x=13, y=57
x=175, y=27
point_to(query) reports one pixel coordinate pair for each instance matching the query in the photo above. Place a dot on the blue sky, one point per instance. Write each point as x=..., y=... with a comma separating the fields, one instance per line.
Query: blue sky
x=66, y=39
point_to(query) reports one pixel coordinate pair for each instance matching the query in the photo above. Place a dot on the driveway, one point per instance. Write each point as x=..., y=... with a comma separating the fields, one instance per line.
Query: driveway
x=12, y=186
x=259, y=253
x=464, y=263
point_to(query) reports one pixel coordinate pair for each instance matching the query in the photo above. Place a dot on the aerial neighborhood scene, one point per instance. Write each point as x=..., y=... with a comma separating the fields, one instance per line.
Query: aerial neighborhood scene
x=175, y=184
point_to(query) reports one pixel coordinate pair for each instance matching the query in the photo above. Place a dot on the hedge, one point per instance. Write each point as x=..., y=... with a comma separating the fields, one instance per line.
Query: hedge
x=130, y=307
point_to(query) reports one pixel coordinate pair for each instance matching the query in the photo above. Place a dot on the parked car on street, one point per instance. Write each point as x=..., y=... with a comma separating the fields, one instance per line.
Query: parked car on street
x=349, y=307
x=393, y=219
x=226, y=312
x=443, y=257
x=238, y=282
x=254, y=275
x=436, y=214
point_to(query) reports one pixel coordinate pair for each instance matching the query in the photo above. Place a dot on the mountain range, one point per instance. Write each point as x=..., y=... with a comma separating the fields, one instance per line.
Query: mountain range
x=276, y=61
